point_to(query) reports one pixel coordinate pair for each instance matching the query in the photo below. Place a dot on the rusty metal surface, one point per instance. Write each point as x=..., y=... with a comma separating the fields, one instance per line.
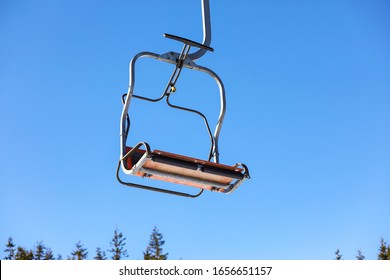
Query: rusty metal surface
x=184, y=176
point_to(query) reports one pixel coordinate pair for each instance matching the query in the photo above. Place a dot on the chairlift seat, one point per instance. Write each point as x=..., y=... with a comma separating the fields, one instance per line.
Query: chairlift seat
x=184, y=170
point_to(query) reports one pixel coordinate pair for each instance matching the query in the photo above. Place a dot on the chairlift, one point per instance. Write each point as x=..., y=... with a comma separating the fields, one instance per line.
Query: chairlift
x=140, y=160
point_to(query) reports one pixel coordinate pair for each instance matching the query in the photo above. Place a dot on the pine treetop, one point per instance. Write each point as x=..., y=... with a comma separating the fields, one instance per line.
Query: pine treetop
x=10, y=249
x=118, y=246
x=79, y=253
x=154, y=250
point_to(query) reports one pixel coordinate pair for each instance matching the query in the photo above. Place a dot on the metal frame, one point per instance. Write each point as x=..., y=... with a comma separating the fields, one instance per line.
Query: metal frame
x=187, y=60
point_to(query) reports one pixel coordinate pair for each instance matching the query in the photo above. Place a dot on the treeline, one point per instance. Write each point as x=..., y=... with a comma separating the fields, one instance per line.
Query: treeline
x=384, y=252
x=117, y=251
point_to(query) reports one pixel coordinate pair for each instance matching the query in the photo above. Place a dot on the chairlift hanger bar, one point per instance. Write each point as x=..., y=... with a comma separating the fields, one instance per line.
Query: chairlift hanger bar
x=206, y=22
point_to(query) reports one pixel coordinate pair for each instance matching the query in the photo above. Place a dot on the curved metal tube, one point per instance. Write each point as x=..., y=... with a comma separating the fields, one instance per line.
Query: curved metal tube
x=222, y=110
x=205, y=121
x=124, y=122
x=206, y=30
x=149, y=188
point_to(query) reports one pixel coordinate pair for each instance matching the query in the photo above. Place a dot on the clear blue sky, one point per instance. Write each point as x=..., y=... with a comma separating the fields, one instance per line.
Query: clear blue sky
x=308, y=110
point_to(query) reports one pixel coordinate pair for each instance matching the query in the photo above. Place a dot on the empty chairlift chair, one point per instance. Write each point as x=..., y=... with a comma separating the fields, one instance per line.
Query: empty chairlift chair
x=140, y=160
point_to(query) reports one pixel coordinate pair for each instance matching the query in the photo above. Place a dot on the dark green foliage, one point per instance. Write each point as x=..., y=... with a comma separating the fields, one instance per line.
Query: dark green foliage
x=384, y=251
x=24, y=254
x=154, y=250
x=10, y=249
x=39, y=253
x=100, y=255
x=147, y=254
x=360, y=255
x=49, y=255
x=338, y=256
x=118, y=246
x=79, y=253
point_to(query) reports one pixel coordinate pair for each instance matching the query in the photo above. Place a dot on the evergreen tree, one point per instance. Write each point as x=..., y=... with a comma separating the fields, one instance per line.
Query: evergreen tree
x=360, y=255
x=10, y=249
x=384, y=251
x=24, y=254
x=100, y=255
x=338, y=256
x=118, y=246
x=388, y=253
x=154, y=250
x=39, y=253
x=79, y=253
x=147, y=254
x=49, y=255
